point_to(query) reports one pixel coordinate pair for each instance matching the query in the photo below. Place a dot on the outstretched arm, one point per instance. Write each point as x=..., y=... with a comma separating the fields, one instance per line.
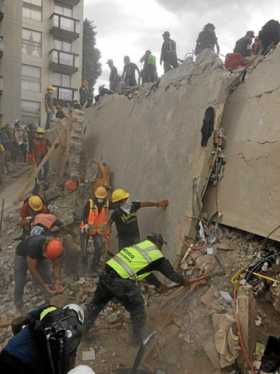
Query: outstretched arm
x=160, y=204
x=165, y=268
x=218, y=48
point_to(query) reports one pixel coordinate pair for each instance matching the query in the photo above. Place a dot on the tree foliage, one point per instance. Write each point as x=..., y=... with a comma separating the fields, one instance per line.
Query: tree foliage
x=91, y=55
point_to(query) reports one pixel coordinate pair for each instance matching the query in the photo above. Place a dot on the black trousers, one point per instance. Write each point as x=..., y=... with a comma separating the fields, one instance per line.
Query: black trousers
x=127, y=292
x=271, y=357
x=11, y=364
x=127, y=242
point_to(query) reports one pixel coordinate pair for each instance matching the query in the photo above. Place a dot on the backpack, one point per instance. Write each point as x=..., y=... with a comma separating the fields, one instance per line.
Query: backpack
x=57, y=337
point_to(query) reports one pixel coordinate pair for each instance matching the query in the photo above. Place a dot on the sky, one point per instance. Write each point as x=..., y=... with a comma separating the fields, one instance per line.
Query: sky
x=129, y=27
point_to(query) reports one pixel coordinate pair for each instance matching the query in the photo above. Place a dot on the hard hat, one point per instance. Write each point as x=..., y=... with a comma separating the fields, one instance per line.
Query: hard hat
x=101, y=193
x=54, y=249
x=71, y=185
x=40, y=131
x=166, y=33
x=250, y=33
x=120, y=194
x=51, y=88
x=81, y=369
x=35, y=203
x=209, y=26
x=78, y=310
x=156, y=239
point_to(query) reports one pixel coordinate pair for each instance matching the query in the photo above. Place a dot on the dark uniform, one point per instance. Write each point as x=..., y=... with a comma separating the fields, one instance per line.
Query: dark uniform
x=129, y=74
x=120, y=280
x=125, y=218
x=243, y=47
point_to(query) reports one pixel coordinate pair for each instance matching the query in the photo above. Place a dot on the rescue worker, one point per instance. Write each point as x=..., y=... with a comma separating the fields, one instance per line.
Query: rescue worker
x=50, y=106
x=84, y=92
x=95, y=223
x=45, y=341
x=41, y=146
x=35, y=254
x=269, y=36
x=114, y=78
x=244, y=45
x=45, y=224
x=207, y=39
x=32, y=206
x=149, y=72
x=168, y=53
x=120, y=279
x=124, y=216
x=129, y=71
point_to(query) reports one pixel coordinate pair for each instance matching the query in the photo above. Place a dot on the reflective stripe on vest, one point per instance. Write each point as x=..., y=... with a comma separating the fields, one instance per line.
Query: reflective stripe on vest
x=131, y=260
x=98, y=221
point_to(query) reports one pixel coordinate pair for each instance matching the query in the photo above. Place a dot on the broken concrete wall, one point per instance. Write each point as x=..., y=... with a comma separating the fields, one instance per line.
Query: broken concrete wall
x=249, y=194
x=152, y=142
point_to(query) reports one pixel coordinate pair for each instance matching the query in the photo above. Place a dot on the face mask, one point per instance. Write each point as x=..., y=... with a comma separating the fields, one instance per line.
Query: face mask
x=100, y=201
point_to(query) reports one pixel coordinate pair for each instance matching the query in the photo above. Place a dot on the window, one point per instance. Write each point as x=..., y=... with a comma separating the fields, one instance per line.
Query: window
x=32, y=107
x=64, y=11
x=62, y=46
x=30, y=79
x=31, y=43
x=32, y=10
x=65, y=94
x=61, y=80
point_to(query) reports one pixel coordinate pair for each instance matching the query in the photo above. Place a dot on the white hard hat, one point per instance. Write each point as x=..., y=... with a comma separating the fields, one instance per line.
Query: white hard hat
x=81, y=369
x=78, y=310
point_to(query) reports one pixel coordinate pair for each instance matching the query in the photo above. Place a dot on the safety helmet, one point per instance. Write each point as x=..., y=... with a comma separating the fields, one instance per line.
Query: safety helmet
x=81, y=369
x=209, y=26
x=51, y=88
x=250, y=34
x=120, y=194
x=40, y=131
x=101, y=193
x=156, y=239
x=35, y=203
x=78, y=310
x=166, y=33
x=54, y=249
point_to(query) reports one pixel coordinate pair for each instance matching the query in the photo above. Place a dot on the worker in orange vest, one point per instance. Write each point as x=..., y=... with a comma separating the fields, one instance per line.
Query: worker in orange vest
x=95, y=223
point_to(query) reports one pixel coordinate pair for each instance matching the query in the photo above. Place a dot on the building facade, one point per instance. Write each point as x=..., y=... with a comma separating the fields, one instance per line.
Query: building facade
x=40, y=45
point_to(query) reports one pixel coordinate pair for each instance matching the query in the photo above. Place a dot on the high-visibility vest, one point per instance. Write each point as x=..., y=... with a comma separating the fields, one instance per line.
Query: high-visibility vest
x=45, y=219
x=98, y=220
x=151, y=60
x=131, y=260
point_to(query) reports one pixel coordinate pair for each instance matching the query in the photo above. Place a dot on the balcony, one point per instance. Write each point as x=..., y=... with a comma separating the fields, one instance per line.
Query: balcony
x=69, y=3
x=64, y=62
x=64, y=28
x=65, y=95
x=2, y=4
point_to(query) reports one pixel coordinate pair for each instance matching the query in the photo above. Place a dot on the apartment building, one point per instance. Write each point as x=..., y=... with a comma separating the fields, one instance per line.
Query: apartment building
x=40, y=44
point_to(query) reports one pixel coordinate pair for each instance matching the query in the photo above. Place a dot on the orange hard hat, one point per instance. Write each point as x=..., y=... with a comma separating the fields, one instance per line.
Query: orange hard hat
x=71, y=185
x=54, y=249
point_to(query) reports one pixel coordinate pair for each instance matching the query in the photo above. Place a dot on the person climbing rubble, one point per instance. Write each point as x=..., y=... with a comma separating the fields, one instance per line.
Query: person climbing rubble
x=124, y=216
x=243, y=46
x=120, y=281
x=95, y=224
x=50, y=106
x=35, y=254
x=129, y=71
x=114, y=78
x=40, y=148
x=45, y=224
x=269, y=36
x=45, y=341
x=168, y=54
x=32, y=205
x=149, y=72
x=207, y=39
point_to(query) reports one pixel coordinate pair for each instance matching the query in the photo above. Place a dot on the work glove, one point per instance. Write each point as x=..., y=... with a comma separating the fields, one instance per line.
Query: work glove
x=163, y=204
x=85, y=229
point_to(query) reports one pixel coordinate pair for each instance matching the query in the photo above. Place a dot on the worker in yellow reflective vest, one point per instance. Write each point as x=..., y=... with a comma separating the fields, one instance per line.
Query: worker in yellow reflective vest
x=120, y=280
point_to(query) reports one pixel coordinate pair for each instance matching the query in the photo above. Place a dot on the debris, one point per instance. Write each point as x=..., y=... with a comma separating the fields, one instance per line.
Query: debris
x=89, y=355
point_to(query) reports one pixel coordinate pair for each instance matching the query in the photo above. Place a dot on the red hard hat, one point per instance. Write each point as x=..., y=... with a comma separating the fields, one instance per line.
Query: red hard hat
x=54, y=249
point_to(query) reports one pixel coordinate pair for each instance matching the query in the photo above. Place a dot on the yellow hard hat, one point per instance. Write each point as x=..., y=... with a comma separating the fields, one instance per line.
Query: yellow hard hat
x=51, y=88
x=120, y=194
x=101, y=193
x=35, y=203
x=41, y=131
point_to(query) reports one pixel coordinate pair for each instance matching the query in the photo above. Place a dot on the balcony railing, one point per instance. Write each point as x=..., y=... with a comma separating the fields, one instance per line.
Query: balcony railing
x=64, y=62
x=65, y=28
x=2, y=4
x=69, y=3
x=65, y=94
